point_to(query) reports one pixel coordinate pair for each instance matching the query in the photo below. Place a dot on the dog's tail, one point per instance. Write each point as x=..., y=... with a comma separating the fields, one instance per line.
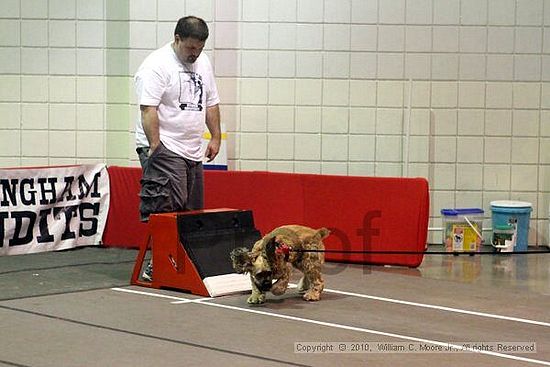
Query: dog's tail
x=322, y=233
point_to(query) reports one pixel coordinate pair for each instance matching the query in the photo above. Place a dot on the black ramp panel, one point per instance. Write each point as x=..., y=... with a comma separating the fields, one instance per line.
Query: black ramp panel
x=212, y=221
x=208, y=238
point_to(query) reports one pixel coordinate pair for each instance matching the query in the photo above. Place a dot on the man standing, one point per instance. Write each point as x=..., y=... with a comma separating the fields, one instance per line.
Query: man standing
x=178, y=98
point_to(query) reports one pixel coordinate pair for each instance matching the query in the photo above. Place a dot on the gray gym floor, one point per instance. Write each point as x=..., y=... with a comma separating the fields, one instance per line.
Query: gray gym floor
x=76, y=308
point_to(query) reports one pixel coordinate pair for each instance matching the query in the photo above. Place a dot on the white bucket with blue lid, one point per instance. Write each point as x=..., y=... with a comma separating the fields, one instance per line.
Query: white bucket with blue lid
x=515, y=213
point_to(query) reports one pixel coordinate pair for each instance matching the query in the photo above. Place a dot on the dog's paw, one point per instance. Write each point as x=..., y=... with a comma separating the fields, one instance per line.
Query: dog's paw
x=278, y=290
x=256, y=299
x=312, y=296
x=302, y=286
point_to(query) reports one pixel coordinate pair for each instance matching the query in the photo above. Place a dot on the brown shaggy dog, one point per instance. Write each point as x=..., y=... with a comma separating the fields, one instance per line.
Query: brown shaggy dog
x=273, y=257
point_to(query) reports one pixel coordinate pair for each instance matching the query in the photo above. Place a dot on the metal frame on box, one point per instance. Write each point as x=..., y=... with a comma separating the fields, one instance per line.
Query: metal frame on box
x=173, y=267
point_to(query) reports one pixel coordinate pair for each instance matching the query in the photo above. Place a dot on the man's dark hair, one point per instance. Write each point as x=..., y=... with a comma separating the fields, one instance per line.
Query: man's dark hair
x=193, y=27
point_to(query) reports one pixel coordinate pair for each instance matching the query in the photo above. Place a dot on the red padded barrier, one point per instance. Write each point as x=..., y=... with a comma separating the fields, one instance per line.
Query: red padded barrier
x=123, y=228
x=364, y=213
x=276, y=199
x=369, y=214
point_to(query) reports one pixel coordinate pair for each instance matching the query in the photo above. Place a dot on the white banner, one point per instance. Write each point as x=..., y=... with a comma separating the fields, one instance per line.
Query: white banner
x=52, y=208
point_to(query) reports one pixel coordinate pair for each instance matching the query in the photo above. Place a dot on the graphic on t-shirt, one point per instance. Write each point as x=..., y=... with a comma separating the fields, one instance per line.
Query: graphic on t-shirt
x=191, y=91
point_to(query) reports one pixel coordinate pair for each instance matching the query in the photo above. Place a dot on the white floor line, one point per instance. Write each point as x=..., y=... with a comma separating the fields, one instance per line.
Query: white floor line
x=177, y=300
x=441, y=308
x=149, y=294
x=382, y=299
x=341, y=326
x=376, y=332
x=192, y=300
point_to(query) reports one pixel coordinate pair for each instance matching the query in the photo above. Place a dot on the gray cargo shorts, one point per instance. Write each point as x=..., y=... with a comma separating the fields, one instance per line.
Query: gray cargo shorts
x=169, y=182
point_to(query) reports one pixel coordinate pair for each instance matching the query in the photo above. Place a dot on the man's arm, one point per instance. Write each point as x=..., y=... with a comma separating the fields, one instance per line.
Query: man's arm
x=150, y=121
x=213, y=124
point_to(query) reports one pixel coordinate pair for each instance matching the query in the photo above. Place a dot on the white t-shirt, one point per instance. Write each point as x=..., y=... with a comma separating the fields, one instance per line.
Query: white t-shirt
x=182, y=93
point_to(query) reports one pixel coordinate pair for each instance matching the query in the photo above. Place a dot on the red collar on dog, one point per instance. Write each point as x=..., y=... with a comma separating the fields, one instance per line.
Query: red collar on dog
x=282, y=248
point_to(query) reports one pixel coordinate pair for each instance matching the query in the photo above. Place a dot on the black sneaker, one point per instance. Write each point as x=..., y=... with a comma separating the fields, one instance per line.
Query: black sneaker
x=148, y=272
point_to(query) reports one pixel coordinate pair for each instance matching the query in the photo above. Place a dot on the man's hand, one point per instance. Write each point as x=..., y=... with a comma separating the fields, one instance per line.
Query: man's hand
x=150, y=121
x=212, y=149
x=213, y=124
x=152, y=148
